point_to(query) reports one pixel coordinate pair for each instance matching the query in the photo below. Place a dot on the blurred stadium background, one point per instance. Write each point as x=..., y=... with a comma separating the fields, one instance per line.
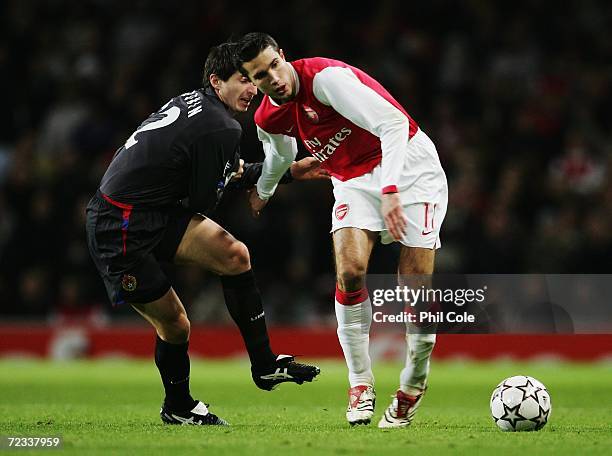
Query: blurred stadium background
x=516, y=97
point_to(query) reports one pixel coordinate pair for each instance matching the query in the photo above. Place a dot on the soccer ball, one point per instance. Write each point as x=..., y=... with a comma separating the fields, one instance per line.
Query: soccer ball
x=520, y=403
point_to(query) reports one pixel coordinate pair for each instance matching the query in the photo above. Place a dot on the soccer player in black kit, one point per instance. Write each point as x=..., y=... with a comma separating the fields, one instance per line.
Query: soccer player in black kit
x=139, y=217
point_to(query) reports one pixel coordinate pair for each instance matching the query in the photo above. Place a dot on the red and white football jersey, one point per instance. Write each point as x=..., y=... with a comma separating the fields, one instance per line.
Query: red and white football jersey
x=345, y=118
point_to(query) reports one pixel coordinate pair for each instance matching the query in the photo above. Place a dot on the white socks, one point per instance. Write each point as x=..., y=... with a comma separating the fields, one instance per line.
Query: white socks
x=354, y=315
x=354, y=322
x=418, y=353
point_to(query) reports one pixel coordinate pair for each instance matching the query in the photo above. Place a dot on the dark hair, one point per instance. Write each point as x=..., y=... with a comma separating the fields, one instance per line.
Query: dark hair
x=222, y=61
x=251, y=44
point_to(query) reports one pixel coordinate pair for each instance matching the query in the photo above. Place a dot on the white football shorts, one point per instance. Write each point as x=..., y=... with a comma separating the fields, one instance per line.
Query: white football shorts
x=423, y=191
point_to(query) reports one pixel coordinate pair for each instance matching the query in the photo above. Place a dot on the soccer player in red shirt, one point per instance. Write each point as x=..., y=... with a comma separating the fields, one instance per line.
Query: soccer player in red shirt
x=388, y=182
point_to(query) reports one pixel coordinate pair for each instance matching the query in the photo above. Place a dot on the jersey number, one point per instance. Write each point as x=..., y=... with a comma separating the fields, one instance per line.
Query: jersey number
x=170, y=115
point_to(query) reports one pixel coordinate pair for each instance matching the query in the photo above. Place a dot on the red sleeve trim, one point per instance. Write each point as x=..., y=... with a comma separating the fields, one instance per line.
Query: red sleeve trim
x=389, y=189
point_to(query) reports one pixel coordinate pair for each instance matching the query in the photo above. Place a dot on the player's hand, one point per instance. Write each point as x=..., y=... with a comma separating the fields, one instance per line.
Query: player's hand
x=240, y=171
x=257, y=204
x=307, y=169
x=393, y=214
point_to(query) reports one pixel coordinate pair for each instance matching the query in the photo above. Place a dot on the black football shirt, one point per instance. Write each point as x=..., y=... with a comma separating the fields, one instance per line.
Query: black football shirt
x=190, y=148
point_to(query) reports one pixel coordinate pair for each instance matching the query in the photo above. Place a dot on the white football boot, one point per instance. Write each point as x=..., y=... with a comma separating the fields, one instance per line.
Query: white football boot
x=362, y=399
x=401, y=411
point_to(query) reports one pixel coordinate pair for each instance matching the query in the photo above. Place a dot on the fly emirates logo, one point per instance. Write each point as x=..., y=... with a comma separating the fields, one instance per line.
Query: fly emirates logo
x=321, y=152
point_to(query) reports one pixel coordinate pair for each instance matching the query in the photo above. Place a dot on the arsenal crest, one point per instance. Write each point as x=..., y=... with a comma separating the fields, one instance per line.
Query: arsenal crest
x=311, y=114
x=128, y=282
x=341, y=211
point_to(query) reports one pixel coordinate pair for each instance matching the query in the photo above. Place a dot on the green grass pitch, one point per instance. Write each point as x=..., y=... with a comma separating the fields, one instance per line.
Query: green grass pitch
x=111, y=407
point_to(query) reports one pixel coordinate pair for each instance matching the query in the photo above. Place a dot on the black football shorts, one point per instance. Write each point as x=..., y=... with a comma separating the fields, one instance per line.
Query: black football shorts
x=127, y=245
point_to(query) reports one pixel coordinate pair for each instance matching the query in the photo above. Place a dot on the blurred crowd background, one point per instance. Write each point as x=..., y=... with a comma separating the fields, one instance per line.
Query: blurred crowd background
x=516, y=96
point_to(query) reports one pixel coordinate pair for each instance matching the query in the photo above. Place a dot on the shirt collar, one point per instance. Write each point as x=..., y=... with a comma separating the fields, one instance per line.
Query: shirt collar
x=210, y=92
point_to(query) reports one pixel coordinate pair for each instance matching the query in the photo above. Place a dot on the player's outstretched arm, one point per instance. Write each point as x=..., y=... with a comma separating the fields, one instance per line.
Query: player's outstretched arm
x=280, y=151
x=342, y=90
x=308, y=168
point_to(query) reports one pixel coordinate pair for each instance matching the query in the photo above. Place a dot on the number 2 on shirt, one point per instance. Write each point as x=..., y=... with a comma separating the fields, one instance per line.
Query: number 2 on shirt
x=170, y=115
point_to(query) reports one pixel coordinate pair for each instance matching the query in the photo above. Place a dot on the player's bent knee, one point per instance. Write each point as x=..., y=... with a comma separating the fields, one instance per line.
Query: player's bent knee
x=175, y=330
x=238, y=259
x=352, y=277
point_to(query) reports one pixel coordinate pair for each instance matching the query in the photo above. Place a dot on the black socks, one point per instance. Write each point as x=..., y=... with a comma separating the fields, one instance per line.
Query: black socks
x=243, y=301
x=172, y=361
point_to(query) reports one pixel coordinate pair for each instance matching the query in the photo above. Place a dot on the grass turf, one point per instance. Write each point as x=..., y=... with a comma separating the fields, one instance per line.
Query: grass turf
x=110, y=407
